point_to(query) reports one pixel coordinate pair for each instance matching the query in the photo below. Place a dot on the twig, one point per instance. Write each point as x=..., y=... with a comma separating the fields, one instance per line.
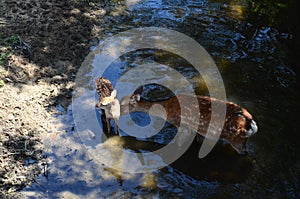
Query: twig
x=23, y=42
x=6, y=155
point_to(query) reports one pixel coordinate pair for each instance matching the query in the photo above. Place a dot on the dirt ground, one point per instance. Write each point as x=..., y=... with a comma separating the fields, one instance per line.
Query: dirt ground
x=42, y=45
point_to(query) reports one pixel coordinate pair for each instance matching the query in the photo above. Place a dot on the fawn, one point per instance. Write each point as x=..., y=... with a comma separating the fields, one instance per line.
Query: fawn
x=239, y=124
x=108, y=102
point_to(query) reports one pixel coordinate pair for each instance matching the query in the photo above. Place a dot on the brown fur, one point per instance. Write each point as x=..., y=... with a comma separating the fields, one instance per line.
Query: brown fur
x=237, y=122
x=104, y=89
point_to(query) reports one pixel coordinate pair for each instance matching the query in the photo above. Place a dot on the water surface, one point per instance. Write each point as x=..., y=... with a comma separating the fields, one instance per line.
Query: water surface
x=252, y=45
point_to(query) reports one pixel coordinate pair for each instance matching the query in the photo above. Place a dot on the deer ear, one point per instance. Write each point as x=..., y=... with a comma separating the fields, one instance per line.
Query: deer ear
x=113, y=93
x=139, y=90
x=137, y=97
x=134, y=99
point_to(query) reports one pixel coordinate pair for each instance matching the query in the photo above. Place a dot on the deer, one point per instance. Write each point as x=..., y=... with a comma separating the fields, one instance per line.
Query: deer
x=108, y=102
x=238, y=127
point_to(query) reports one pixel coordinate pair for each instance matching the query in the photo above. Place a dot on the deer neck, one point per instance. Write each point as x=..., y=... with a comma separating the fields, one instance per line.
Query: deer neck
x=167, y=109
x=141, y=106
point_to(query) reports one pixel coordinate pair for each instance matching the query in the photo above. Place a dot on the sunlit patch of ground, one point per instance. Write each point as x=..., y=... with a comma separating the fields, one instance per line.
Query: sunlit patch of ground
x=42, y=44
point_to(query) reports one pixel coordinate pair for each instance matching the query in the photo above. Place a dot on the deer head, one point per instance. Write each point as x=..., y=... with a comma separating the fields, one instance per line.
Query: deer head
x=128, y=103
x=110, y=105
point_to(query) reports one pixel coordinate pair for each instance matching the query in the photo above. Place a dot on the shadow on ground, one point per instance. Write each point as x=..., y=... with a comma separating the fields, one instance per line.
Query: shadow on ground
x=42, y=45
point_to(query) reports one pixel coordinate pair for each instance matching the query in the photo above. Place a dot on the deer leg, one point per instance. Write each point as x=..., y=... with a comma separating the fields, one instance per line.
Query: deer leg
x=117, y=125
x=240, y=146
x=108, y=125
x=103, y=119
x=183, y=136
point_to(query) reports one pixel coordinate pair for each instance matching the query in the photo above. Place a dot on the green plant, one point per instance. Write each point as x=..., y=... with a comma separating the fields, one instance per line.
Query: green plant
x=89, y=2
x=12, y=40
x=117, y=1
x=4, y=57
x=7, y=44
x=2, y=83
x=271, y=12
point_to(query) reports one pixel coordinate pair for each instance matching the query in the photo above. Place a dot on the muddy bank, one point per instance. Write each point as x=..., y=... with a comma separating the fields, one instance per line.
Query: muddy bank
x=42, y=45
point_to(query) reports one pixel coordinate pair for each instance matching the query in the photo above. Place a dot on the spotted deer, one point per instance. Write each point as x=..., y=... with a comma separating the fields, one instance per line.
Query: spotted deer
x=108, y=102
x=238, y=127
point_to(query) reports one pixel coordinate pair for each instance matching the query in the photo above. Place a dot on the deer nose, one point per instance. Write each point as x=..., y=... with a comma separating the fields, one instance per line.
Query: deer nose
x=253, y=128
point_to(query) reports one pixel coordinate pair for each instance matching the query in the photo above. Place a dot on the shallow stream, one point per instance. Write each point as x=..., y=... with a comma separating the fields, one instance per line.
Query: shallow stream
x=251, y=43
